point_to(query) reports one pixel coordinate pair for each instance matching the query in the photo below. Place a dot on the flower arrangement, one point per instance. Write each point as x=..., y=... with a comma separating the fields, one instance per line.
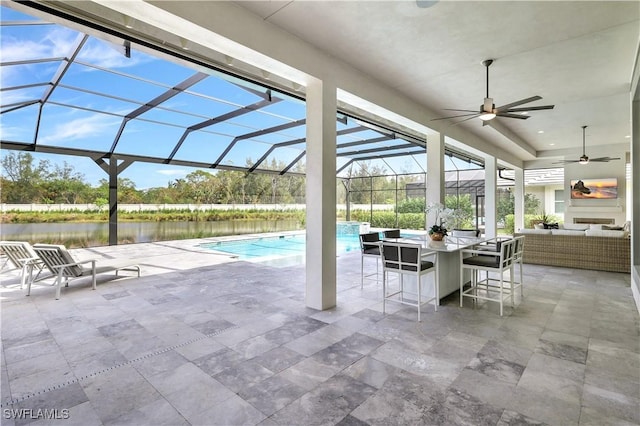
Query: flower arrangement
x=443, y=215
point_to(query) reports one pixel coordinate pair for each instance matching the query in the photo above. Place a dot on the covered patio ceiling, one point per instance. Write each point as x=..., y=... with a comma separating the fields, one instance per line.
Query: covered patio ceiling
x=66, y=92
x=70, y=93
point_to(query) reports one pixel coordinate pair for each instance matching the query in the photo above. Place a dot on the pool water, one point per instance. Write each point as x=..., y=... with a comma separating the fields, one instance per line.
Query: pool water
x=280, y=246
x=276, y=249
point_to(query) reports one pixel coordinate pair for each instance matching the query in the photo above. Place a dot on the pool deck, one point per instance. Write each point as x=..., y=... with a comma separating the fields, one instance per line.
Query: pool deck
x=204, y=339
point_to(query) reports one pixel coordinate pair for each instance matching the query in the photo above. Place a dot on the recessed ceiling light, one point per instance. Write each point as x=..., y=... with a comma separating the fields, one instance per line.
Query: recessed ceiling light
x=551, y=144
x=628, y=137
x=540, y=131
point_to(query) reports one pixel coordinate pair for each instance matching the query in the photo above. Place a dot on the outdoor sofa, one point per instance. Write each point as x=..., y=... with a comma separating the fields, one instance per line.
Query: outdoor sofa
x=600, y=250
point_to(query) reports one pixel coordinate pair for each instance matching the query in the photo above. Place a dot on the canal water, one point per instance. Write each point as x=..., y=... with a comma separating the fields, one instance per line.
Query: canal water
x=97, y=234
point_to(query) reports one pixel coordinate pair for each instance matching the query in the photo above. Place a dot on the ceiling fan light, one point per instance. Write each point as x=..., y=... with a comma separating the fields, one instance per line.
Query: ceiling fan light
x=486, y=116
x=583, y=160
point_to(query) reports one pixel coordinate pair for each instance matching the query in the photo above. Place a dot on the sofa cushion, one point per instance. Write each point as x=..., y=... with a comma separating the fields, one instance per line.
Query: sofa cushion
x=535, y=231
x=575, y=226
x=568, y=232
x=605, y=233
x=595, y=226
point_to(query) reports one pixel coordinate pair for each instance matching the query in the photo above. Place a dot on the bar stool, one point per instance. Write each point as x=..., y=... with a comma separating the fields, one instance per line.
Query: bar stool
x=497, y=262
x=408, y=259
x=392, y=233
x=369, y=247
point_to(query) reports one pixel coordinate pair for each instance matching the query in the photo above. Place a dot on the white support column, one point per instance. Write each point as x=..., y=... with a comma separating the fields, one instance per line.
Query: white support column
x=321, y=195
x=518, y=199
x=635, y=198
x=435, y=175
x=490, y=192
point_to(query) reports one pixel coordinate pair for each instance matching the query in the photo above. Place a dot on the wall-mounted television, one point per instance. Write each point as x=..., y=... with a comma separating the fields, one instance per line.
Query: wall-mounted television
x=606, y=188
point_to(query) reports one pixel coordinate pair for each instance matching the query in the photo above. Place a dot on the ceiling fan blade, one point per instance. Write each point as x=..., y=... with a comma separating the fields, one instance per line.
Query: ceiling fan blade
x=566, y=161
x=475, y=114
x=462, y=110
x=603, y=159
x=536, y=108
x=520, y=102
x=519, y=116
x=466, y=119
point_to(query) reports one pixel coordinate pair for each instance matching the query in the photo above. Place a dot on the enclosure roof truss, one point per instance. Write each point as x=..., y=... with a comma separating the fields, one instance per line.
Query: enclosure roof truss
x=202, y=116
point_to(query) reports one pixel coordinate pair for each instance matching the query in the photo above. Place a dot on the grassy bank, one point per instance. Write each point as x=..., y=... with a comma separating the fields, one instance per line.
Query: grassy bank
x=381, y=219
x=151, y=216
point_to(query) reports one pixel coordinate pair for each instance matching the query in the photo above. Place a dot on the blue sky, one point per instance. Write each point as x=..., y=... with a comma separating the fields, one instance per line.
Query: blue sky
x=102, y=86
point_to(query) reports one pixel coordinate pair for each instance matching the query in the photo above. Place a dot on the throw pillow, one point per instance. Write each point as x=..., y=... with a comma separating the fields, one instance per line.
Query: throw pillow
x=612, y=228
x=551, y=226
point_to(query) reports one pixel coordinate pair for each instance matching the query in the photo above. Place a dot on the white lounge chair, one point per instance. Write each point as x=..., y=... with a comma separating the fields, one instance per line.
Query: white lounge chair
x=60, y=262
x=23, y=257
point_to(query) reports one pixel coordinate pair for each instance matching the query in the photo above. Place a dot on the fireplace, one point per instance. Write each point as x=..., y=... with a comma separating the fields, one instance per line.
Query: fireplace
x=589, y=220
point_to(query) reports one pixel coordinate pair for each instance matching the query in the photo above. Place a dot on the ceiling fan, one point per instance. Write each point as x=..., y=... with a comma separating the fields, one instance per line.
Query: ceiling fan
x=488, y=110
x=584, y=159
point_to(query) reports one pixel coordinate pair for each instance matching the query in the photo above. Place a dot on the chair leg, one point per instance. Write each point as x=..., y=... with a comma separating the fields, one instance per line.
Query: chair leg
x=461, y=284
x=474, y=287
x=501, y=287
x=59, y=284
x=436, y=290
x=419, y=285
x=29, y=287
x=512, y=286
x=384, y=292
x=361, y=272
x=521, y=282
x=23, y=275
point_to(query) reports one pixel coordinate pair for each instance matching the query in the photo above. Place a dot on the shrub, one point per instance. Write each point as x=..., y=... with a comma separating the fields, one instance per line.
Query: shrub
x=509, y=224
x=411, y=205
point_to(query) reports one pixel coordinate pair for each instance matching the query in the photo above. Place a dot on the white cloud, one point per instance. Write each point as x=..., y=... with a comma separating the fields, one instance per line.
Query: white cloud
x=80, y=128
x=172, y=172
x=59, y=43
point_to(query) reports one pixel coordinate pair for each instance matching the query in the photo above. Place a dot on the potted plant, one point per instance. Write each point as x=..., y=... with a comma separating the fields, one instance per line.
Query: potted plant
x=543, y=218
x=439, y=230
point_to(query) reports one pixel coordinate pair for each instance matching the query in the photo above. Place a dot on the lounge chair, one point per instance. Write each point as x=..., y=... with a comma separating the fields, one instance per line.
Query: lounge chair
x=23, y=257
x=60, y=262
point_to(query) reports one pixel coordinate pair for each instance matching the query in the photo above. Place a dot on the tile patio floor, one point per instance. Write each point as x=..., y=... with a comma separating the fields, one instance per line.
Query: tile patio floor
x=202, y=340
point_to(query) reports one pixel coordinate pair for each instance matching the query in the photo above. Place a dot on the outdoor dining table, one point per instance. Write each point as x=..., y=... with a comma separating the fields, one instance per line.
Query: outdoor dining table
x=448, y=258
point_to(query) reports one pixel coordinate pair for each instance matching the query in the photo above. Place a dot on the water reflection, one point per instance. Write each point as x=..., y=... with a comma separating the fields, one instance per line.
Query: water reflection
x=97, y=234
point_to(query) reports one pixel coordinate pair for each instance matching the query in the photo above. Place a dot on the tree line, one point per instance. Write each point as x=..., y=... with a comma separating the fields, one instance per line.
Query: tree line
x=25, y=180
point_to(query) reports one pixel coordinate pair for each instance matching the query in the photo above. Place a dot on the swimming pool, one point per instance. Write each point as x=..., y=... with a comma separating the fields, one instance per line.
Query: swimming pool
x=280, y=248
x=277, y=246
